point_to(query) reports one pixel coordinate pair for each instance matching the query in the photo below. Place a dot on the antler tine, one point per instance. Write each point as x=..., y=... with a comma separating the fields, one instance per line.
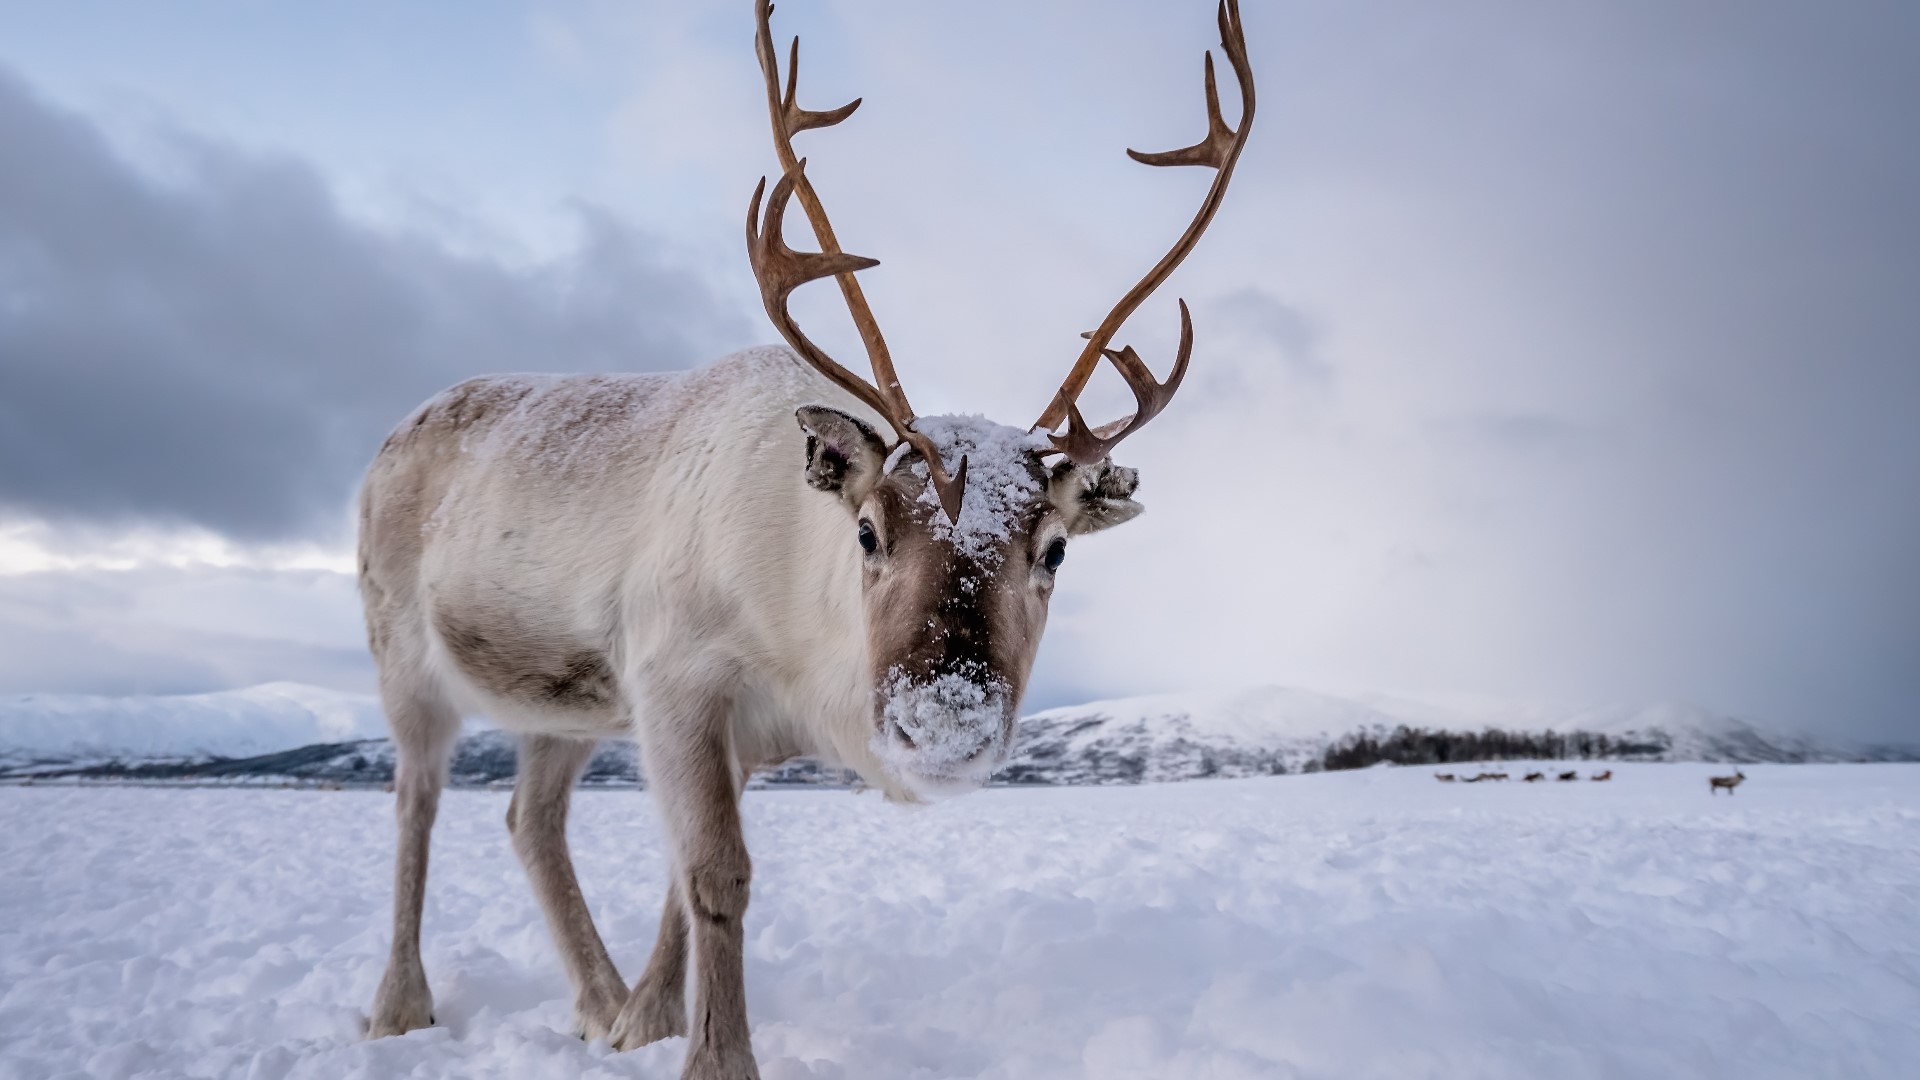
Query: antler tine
x=1211, y=150
x=780, y=269
x=1086, y=445
x=798, y=119
x=1219, y=150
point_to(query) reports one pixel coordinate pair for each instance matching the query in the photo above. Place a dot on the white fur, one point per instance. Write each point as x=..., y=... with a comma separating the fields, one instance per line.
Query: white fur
x=692, y=520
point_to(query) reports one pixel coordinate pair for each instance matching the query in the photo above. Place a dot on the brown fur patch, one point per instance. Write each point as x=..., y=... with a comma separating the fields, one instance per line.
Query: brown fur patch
x=505, y=660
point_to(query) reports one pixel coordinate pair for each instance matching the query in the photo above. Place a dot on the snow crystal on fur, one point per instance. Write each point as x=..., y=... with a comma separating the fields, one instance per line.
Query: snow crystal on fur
x=958, y=726
x=1000, y=481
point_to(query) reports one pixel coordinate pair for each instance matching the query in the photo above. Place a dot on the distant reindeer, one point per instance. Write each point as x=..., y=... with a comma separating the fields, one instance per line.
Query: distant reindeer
x=1608, y=775
x=1715, y=783
x=1444, y=777
x=1533, y=776
x=1570, y=774
x=1474, y=779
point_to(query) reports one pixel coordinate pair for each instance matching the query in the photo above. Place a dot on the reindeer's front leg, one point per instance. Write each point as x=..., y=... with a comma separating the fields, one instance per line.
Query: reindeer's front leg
x=690, y=765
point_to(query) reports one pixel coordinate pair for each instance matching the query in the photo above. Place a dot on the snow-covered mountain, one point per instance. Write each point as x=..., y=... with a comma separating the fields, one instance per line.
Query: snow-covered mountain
x=1275, y=729
x=81, y=728
x=285, y=730
x=1181, y=736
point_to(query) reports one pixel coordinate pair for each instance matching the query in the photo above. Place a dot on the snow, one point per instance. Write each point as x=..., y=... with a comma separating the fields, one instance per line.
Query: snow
x=1000, y=480
x=1346, y=925
x=956, y=724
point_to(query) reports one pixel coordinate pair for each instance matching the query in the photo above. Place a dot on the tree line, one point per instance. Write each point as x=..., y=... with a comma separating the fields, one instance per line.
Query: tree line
x=1406, y=745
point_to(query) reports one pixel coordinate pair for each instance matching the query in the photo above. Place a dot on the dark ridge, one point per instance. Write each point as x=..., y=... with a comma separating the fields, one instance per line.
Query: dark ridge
x=479, y=760
x=1418, y=746
x=1049, y=751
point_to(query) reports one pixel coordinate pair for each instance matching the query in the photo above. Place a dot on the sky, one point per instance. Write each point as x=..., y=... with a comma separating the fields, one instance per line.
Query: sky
x=1565, y=352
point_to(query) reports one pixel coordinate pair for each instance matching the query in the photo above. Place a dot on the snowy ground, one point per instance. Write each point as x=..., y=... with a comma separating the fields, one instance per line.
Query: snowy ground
x=1373, y=924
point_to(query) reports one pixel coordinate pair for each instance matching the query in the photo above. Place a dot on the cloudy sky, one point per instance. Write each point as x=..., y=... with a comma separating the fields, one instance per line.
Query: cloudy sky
x=1555, y=351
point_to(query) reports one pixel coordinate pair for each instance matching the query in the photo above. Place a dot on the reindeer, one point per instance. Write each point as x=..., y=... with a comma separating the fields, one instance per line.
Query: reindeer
x=1570, y=774
x=1601, y=776
x=1445, y=777
x=1715, y=783
x=767, y=558
x=1533, y=777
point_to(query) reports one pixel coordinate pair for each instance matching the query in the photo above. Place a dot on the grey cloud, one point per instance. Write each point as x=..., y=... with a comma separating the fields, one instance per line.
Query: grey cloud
x=1520, y=433
x=226, y=348
x=1274, y=329
x=179, y=631
x=1248, y=342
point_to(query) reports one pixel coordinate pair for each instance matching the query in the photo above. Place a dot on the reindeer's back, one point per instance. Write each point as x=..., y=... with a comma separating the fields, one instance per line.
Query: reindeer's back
x=507, y=524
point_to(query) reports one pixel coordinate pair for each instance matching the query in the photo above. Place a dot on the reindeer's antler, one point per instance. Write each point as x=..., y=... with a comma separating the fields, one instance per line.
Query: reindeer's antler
x=780, y=269
x=1219, y=150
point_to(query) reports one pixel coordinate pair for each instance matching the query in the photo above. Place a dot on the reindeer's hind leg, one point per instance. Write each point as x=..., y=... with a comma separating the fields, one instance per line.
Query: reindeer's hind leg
x=537, y=818
x=657, y=1008
x=424, y=727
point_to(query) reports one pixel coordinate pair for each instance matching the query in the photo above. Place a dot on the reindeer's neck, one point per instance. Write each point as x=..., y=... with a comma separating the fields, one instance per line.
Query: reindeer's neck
x=793, y=563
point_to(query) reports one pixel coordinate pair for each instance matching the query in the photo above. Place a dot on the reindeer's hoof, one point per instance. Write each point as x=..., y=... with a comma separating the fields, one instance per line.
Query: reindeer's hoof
x=402, y=1004
x=648, y=1017
x=596, y=1012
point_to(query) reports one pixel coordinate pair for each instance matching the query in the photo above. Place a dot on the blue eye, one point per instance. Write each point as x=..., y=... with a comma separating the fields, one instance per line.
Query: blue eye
x=1056, y=554
x=869, y=540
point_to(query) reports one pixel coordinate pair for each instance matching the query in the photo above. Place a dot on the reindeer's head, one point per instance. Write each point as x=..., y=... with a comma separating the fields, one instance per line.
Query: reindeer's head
x=955, y=606
x=962, y=525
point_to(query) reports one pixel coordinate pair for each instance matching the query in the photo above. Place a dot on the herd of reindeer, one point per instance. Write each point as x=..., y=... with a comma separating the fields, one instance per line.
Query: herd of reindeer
x=1714, y=783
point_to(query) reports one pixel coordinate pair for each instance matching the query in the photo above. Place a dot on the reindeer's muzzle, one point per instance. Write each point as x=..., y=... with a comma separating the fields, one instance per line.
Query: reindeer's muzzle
x=944, y=736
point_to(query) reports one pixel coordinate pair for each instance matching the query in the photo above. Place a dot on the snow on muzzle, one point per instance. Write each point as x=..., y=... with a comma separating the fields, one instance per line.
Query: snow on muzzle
x=944, y=735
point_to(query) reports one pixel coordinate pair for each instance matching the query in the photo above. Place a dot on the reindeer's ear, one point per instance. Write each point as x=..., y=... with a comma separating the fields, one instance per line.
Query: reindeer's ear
x=843, y=453
x=1093, y=497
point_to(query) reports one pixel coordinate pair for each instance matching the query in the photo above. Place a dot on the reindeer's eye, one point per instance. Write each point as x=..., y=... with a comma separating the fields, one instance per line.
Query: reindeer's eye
x=1056, y=554
x=869, y=540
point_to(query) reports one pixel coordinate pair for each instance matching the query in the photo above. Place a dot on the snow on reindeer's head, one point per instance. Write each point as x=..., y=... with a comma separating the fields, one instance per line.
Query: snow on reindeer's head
x=955, y=605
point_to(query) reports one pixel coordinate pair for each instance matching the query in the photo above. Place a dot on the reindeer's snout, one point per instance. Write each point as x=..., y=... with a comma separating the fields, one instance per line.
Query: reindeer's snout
x=944, y=735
